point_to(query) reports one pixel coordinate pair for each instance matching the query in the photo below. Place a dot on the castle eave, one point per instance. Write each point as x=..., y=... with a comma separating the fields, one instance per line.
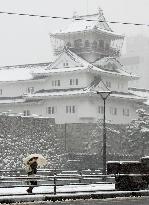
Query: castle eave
x=127, y=96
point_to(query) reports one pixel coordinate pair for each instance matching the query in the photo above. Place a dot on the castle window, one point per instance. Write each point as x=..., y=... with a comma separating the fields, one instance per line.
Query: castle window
x=30, y=90
x=70, y=109
x=26, y=112
x=125, y=112
x=100, y=109
x=101, y=44
x=78, y=43
x=74, y=81
x=120, y=86
x=68, y=44
x=113, y=110
x=94, y=45
x=66, y=64
x=87, y=43
x=51, y=110
x=107, y=46
x=108, y=84
x=55, y=83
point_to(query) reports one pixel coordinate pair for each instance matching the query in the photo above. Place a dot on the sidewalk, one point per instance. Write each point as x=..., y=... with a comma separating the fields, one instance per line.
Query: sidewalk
x=60, y=189
x=73, y=192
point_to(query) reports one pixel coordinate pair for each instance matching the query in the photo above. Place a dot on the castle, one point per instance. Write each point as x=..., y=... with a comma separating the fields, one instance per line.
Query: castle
x=87, y=62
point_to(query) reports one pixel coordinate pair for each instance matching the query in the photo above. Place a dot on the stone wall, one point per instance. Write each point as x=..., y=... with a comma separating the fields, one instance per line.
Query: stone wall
x=83, y=145
x=20, y=136
x=73, y=146
x=87, y=138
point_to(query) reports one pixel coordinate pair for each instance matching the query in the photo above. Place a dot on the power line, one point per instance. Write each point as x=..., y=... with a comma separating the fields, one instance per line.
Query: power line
x=71, y=18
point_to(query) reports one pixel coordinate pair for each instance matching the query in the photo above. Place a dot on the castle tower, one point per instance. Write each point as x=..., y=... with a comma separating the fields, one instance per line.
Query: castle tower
x=88, y=36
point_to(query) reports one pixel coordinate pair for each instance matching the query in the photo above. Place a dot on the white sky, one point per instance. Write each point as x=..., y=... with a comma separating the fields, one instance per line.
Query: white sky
x=25, y=39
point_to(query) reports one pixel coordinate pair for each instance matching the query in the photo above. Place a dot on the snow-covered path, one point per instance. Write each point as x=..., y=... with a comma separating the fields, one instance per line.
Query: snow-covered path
x=62, y=189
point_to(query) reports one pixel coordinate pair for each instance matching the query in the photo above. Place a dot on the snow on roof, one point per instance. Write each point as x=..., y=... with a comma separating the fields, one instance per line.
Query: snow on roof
x=80, y=23
x=112, y=65
x=86, y=23
x=98, y=66
x=47, y=93
x=129, y=162
x=65, y=69
x=73, y=56
x=81, y=91
x=20, y=72
x=141, y=93
x=128, y=95
x=117, y=72
x=145, y=157
x=97, y=86
x=15, y=74
x=74, y=28
x=11, y=100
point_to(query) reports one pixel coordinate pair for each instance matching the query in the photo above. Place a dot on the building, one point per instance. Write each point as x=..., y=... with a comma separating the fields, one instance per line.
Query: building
x=87, y=61
x=136, y=60
x=132, y=66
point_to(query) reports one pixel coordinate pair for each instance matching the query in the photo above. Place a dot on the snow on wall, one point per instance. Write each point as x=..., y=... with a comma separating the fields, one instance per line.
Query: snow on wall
x=20, y=136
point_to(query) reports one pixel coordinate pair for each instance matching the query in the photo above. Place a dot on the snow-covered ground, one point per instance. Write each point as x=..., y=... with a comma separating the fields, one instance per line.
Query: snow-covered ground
x=18, y=194
x=62, y=189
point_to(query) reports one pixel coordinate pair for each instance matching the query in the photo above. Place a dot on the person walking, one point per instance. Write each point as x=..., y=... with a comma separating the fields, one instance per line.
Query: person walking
x=32, y=170
x=31, y=162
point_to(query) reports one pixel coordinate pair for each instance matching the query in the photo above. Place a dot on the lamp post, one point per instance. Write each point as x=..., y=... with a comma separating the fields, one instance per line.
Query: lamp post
x=104, y=95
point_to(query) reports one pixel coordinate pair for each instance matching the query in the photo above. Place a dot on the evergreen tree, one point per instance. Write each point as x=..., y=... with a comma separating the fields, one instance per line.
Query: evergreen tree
x=113, y=136
x=137, y=134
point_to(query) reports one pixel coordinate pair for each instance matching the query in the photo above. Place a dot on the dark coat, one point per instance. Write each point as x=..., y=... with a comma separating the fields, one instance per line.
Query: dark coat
x=33, y=167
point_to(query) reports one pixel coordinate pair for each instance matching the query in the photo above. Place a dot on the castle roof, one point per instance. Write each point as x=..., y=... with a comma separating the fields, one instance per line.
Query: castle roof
x=91, y=90
x=96, y=22
x=21, y=72
x=106, y=66
x=144, y=93
x=44, y=94
x=11, y=100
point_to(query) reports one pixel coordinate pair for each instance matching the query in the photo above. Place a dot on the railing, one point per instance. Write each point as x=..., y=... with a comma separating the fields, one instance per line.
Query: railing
x=59, y=178
x=114, y=52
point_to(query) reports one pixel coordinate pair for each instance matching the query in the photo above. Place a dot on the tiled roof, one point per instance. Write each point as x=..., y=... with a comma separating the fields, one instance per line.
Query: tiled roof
x=41, y=70
x=20, y=72
x=90, y=90
x=144, y=93
x=86, y=23
x=76, y=92
x=58, y=90
x=98, y=66
x=128, y=95
x=19, y=99
x=11, y=100
x=115, y=66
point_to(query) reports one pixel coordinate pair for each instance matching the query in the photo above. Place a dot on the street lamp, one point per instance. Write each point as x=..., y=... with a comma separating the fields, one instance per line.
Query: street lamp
x=104, y=95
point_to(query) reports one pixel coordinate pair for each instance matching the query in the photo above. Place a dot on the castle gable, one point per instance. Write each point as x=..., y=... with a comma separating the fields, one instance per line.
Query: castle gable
x=86, y=22
x=112, y=65
x=109, y=64
x=68, y=59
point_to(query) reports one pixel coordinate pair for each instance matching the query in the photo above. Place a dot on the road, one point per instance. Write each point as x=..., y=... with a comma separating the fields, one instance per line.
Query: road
x=115, y=201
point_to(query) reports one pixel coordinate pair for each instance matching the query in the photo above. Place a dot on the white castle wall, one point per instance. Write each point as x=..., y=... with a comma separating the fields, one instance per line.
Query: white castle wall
x=86, y=109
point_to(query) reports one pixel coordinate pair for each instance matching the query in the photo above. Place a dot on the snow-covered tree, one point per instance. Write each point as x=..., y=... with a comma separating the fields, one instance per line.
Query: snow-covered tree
x=137, y=134
x=113, y=135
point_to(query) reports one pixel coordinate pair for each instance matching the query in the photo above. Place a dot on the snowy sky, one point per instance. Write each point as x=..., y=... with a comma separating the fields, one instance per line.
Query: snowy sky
x=25, y=39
